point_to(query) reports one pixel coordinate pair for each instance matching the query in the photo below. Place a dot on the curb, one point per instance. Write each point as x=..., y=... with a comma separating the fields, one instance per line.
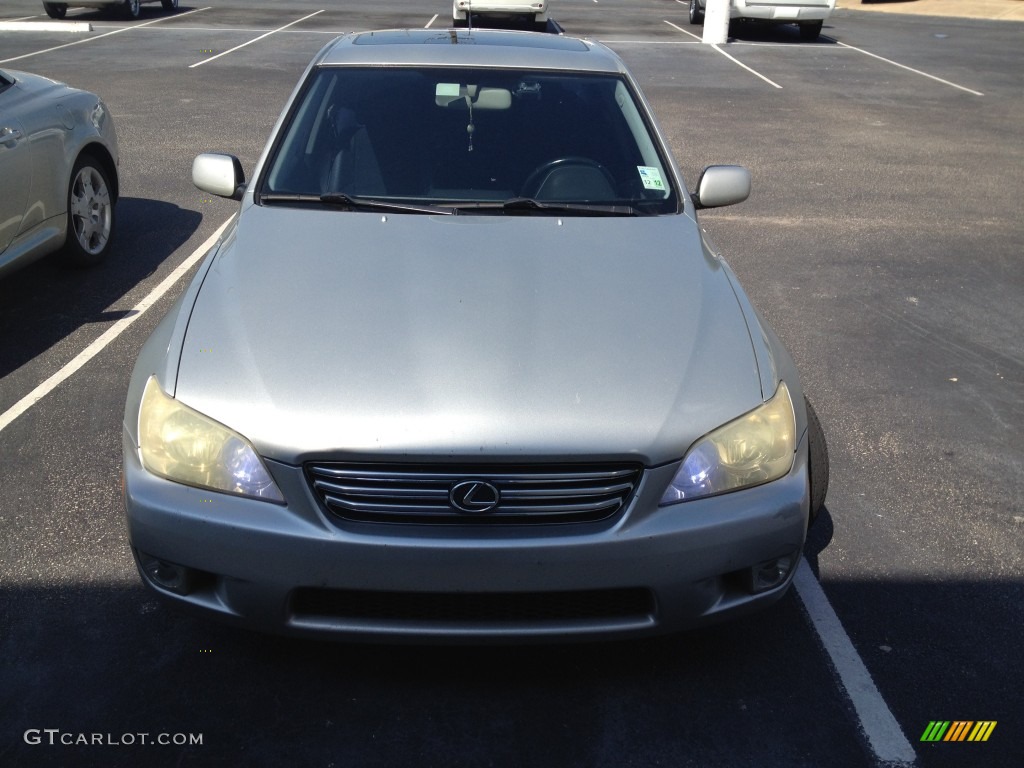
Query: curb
x=45, y=26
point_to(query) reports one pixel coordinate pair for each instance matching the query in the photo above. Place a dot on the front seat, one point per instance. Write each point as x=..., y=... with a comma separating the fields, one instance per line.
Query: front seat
x=353, y=169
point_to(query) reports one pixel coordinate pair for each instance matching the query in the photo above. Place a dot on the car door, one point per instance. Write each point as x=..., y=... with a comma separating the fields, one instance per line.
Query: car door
x=15, y=161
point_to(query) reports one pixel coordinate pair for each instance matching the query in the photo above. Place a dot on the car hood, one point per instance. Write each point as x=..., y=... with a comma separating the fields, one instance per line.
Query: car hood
x=322, y=333
x=39, y=85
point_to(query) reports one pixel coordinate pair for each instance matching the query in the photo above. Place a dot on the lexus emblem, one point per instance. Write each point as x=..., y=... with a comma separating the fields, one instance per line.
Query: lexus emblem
x=474, y=496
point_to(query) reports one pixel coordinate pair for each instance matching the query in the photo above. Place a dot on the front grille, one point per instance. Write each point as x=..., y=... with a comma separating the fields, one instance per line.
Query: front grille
x=422, y=494
x=481, y=608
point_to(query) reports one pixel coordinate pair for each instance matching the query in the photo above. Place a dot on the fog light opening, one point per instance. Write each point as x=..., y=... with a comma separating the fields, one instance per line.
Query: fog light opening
x=771, y=573
x=170, y=576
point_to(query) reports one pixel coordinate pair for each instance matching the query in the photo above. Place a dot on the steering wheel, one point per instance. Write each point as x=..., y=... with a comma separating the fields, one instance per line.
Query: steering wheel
x=535, y=181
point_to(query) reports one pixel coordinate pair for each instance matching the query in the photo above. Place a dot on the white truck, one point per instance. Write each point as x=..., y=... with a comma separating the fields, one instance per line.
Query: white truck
x=809, y=15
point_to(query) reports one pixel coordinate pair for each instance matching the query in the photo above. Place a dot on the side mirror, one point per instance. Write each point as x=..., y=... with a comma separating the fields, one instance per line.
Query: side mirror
x=722, y=185
x=219, y=174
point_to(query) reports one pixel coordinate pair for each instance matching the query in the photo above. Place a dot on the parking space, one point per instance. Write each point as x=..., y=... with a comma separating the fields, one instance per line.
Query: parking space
x=882, y=242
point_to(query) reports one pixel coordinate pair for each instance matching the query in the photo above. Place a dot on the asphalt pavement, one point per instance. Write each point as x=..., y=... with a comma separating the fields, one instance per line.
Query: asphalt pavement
x=883, y=243
x=996, y=10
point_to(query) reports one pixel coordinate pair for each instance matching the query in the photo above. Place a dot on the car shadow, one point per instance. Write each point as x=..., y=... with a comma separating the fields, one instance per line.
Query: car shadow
x=517, y=24
x=146, y=10
x=759, y=32
x=48, y=300
x=819, y=536
x=139, y=666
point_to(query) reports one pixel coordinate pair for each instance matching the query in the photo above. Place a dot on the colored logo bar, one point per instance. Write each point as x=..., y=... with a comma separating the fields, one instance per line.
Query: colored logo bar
x=958, y=730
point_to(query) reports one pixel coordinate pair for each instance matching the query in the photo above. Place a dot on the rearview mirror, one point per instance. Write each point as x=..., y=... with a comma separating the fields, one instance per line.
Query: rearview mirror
x=219, y=174
x=722, y=185
x=455, y=96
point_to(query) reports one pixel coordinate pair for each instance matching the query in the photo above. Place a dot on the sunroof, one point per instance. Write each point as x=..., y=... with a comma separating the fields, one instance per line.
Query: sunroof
x=470, y=37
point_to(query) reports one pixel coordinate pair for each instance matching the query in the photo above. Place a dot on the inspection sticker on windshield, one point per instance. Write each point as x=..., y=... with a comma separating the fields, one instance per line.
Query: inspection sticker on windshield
x=651, y=177
x=447, y=89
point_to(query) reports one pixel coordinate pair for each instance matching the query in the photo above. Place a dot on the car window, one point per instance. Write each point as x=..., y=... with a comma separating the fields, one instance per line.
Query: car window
x=441, y=135
x=5, y=82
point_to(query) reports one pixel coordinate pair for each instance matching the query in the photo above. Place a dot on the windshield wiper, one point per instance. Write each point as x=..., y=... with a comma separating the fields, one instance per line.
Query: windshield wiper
x=355, y=203
x=514, y=205
x=370, y=203
x=528, y=205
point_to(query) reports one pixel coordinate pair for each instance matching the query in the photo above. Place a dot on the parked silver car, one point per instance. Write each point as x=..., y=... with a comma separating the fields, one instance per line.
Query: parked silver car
x=58, y=172
x=464, y=367
x=808, y=15
x=127, y=8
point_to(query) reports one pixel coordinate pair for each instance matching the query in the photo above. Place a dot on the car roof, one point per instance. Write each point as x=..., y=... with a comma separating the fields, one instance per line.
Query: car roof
x=471, y=48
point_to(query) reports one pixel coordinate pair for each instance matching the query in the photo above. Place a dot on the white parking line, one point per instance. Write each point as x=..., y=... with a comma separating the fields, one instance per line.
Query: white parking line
x=751, y=71
x=883, y=732
x=68, y=27
x=909, y=69
x=684, y=31
x=732, y=59
x=254, y=40
x=646, y=42
x=110, y=334
x=247, y=30
x=105, y=34
x=432, y=21
x=819, y=47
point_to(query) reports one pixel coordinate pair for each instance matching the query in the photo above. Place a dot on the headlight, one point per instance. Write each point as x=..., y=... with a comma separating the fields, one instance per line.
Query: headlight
x=755, y=448
x=183, y=445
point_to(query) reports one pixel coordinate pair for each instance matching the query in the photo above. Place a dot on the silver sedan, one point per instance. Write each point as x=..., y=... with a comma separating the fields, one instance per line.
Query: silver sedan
x=58, y=172
x=464, y=368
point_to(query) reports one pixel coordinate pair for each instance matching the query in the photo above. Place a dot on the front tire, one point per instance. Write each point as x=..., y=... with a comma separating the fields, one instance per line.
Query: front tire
x=817, y=462
x=90, y=213
x=810, y=30
x=169, y=5
x=130, y=9
x=696, y=14
x=56, y=10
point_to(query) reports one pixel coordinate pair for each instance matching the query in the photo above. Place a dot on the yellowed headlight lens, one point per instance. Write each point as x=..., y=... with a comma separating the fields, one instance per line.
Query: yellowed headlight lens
x=759, y=446
x=181, y=444
x=756, y=448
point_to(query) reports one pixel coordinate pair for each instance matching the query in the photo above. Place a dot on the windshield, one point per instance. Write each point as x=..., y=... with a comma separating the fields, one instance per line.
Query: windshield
x=470, y=140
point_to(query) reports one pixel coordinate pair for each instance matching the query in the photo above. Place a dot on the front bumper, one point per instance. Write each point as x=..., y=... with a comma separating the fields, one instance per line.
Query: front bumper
x=294, y=570
x=742, y=9
x=538, y=11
